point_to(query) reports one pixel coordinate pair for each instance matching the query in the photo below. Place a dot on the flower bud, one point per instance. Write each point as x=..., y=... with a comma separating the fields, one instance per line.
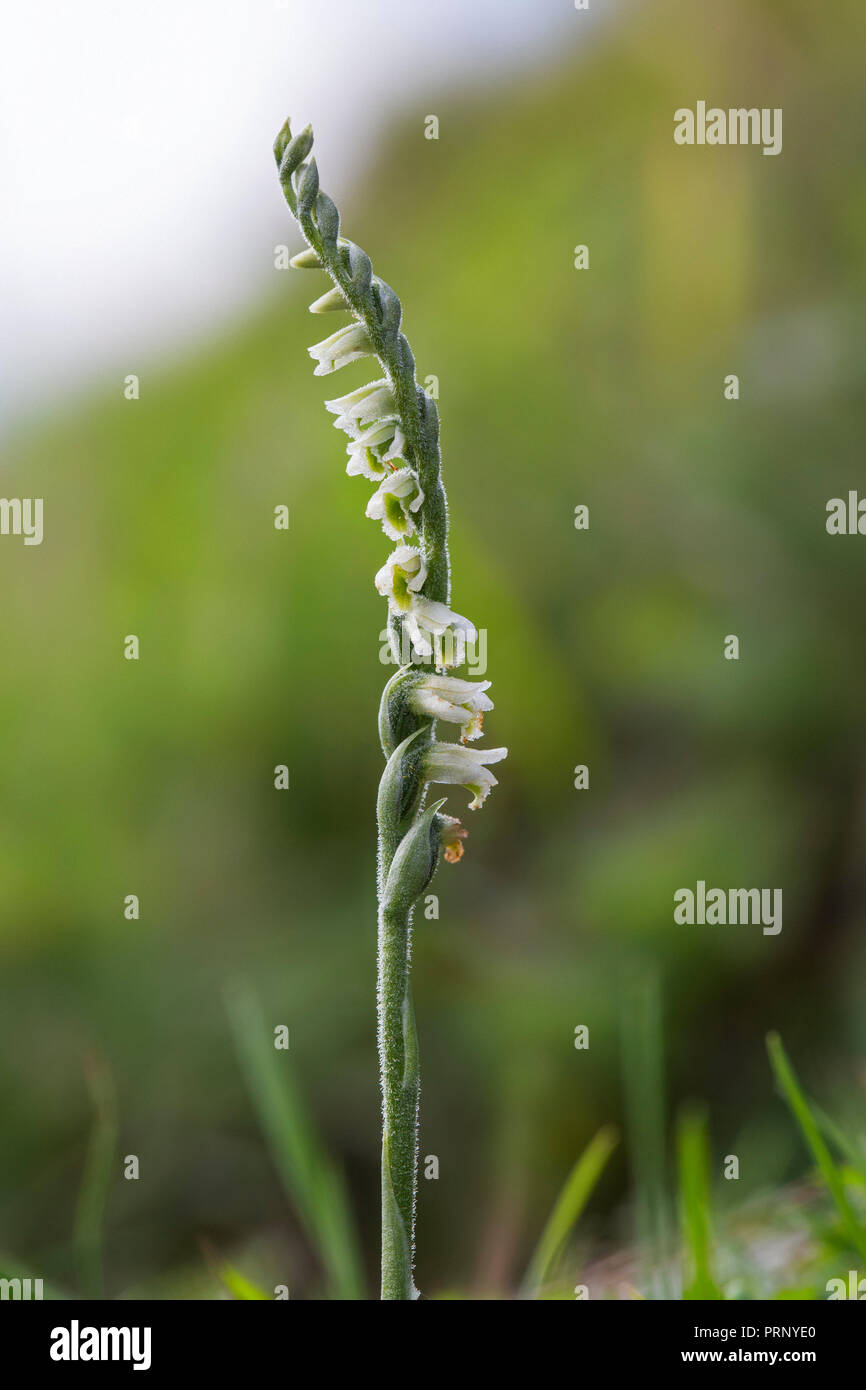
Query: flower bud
x=414, y=862
x=391, y=310
x=293, y=150
x=360, y=267
x=397, y=719
x=282, y=140
x=307, y=184
x=402, y=784
x=327, y=218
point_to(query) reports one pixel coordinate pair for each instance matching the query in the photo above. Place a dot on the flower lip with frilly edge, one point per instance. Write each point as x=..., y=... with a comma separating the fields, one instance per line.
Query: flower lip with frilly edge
x=457, y=701
x=464, y=767
x=394, y=501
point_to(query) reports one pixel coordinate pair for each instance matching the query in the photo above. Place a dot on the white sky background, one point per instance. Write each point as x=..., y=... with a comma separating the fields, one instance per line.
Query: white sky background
x=138, y=188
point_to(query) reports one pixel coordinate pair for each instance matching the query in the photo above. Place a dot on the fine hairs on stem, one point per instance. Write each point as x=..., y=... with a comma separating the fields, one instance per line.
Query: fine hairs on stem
x=393, y=431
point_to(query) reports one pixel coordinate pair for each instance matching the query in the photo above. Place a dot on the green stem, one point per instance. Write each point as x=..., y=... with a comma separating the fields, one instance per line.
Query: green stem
x=397, y=1033
x=398, y=1061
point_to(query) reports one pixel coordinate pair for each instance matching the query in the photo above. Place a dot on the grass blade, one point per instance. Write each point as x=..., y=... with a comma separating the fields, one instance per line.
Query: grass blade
x=568, y=1207
x=643, y=1075
x=693, y=1158
x=839, y=1138
x=241, y=1288
x=802, y=1112
x=311, y=1181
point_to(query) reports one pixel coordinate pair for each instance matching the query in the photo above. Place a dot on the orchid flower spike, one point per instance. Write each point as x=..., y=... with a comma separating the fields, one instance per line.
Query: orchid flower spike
x=393, y=432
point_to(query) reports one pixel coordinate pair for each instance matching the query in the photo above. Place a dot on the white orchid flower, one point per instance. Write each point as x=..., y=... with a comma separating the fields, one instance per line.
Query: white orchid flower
x=346, y=345
x=428, y=619
x=399, y=581
x=363, y=407
x=363, y=463
x=400, y=578
x=457, y=701
x=463, y=767
x=372, y=451
x=394, y=501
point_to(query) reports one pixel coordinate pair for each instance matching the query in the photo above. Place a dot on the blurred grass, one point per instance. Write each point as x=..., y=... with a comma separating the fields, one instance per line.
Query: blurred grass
x=100, y=1171
x=643, y=1069
x=242, y=1289
x=567, y=1209
x=259, y=647
x=312, y=1182
x=852, y=1228
x=239, y=1286
x=693, y=1154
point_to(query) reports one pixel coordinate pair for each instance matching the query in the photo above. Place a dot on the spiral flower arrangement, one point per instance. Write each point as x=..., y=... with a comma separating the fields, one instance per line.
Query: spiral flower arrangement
x=393, y=431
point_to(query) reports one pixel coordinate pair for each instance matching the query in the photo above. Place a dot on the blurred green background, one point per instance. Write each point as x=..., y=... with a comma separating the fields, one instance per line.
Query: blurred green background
x=259, y=647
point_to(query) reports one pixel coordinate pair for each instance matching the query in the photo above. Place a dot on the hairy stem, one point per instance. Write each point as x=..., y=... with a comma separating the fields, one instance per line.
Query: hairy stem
x=398, y=1062
x=397, y=1034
